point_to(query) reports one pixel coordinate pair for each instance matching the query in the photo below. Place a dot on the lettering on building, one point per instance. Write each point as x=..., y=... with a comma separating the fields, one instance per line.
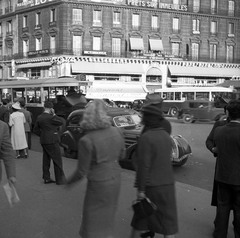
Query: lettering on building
x=139, y=3
x=31, y=3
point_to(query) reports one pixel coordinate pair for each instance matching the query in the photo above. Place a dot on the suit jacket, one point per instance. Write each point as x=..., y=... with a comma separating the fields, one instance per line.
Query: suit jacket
x=227, y=139
x=46, y=127
x=4, y=114
x=6, y=152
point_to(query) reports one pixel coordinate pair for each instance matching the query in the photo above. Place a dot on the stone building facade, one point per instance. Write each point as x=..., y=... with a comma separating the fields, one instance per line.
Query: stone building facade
x=134, y=45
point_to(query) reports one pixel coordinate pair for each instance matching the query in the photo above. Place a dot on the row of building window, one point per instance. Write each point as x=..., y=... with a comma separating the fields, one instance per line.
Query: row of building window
x=214, y=6
x=117, y=48
x=196, y=6
x=77, y=18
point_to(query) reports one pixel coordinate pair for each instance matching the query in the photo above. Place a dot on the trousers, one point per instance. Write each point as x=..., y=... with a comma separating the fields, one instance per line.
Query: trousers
x=52, y=152
x=228, y=197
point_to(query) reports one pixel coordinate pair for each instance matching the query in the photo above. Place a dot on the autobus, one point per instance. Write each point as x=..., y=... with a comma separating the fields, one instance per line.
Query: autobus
x=173, y=98
x=64, y=92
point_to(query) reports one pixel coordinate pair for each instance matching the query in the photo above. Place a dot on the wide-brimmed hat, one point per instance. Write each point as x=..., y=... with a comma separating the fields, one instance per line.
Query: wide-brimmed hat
x=16, y=106
x=153, y=98
x=152, y=109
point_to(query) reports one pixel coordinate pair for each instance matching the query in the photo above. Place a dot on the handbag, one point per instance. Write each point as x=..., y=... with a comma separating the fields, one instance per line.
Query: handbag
x=143, y=208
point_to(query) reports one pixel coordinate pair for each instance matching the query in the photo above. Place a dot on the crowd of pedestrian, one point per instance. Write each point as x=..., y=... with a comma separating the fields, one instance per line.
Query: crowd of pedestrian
x=101, y=148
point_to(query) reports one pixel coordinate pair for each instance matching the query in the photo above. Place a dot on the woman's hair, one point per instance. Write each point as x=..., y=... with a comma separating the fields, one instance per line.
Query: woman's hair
x=95, y=116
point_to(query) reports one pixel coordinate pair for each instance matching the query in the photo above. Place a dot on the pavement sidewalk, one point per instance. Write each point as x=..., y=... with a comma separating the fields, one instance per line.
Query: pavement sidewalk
x=51, y=211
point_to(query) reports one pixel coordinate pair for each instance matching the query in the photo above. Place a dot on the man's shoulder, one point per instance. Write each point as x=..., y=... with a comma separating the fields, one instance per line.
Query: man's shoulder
x=3, y=125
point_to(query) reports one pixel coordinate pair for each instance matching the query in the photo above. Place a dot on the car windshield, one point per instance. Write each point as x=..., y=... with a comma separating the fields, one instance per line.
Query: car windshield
x=126, y=120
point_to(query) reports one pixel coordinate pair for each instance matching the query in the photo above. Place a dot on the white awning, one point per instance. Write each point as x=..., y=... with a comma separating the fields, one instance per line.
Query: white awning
x=34, y=65
x=156, y=44
x=117, y=92
x=203, y=71
x=107, y=68
x=136, y=44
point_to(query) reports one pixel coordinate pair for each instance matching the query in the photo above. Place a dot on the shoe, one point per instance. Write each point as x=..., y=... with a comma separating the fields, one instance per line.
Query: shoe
x=147, y=234
x=47, y=181
x=18, y=157
x=25, y=156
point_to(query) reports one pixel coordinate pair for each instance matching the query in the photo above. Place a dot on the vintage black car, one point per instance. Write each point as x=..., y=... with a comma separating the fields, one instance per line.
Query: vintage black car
x=129, y=121
x=200, y=110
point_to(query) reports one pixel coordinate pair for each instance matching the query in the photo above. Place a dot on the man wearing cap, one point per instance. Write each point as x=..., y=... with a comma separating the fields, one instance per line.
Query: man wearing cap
x=46, y=126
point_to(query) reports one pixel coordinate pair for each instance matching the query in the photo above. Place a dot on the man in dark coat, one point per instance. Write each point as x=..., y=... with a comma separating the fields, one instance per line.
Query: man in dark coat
x=46, y=127
x=4, y=111
x=227, y=175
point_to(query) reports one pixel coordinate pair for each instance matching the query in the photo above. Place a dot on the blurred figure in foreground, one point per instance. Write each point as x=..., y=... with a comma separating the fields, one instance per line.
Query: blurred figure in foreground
x=7, y=154
x=227, y=140
x=46, y=127
x=98, y=154
x=154, y=177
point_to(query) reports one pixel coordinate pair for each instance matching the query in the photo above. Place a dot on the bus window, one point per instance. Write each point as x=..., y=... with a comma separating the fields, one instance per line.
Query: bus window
x=202, y=95
x=188, y=95
x=177, y=95
x=169, y=96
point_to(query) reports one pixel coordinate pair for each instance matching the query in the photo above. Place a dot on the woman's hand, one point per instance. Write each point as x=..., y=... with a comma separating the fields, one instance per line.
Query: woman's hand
x=141, y=195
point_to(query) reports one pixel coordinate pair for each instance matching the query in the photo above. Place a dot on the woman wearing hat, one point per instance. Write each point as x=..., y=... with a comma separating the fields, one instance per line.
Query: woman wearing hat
x=154, y=177
x=18, y=137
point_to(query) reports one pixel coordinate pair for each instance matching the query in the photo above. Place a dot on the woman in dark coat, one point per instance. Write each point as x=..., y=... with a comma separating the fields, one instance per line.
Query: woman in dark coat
x=99, y=152
x=154, y=177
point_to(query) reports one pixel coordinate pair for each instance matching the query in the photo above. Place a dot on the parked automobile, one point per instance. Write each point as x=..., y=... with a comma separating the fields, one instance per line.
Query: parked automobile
x=200, y=110
x=129, y=121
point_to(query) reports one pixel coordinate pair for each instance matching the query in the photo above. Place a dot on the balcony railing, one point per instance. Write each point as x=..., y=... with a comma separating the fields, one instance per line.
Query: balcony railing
x=77, y=22
x=231, y=13
x=25, y=29
x=9, y=33
x=176, y=31
x=8, y=9
x=38, y=27
x=52, y=24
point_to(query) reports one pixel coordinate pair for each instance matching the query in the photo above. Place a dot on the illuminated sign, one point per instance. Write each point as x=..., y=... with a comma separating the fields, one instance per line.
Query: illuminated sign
x=31, y=3
x=154, y=4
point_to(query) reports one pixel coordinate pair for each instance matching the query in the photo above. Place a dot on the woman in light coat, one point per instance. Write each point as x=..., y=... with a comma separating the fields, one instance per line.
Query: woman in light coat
x=18, y=136
x=99, y=152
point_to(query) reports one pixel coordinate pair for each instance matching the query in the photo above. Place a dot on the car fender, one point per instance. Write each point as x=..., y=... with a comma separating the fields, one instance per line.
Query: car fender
x=68, y=141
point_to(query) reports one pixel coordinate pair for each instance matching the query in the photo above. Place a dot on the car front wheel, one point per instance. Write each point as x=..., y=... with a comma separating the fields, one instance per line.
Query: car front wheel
x=187, y=118
x=173, y=112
